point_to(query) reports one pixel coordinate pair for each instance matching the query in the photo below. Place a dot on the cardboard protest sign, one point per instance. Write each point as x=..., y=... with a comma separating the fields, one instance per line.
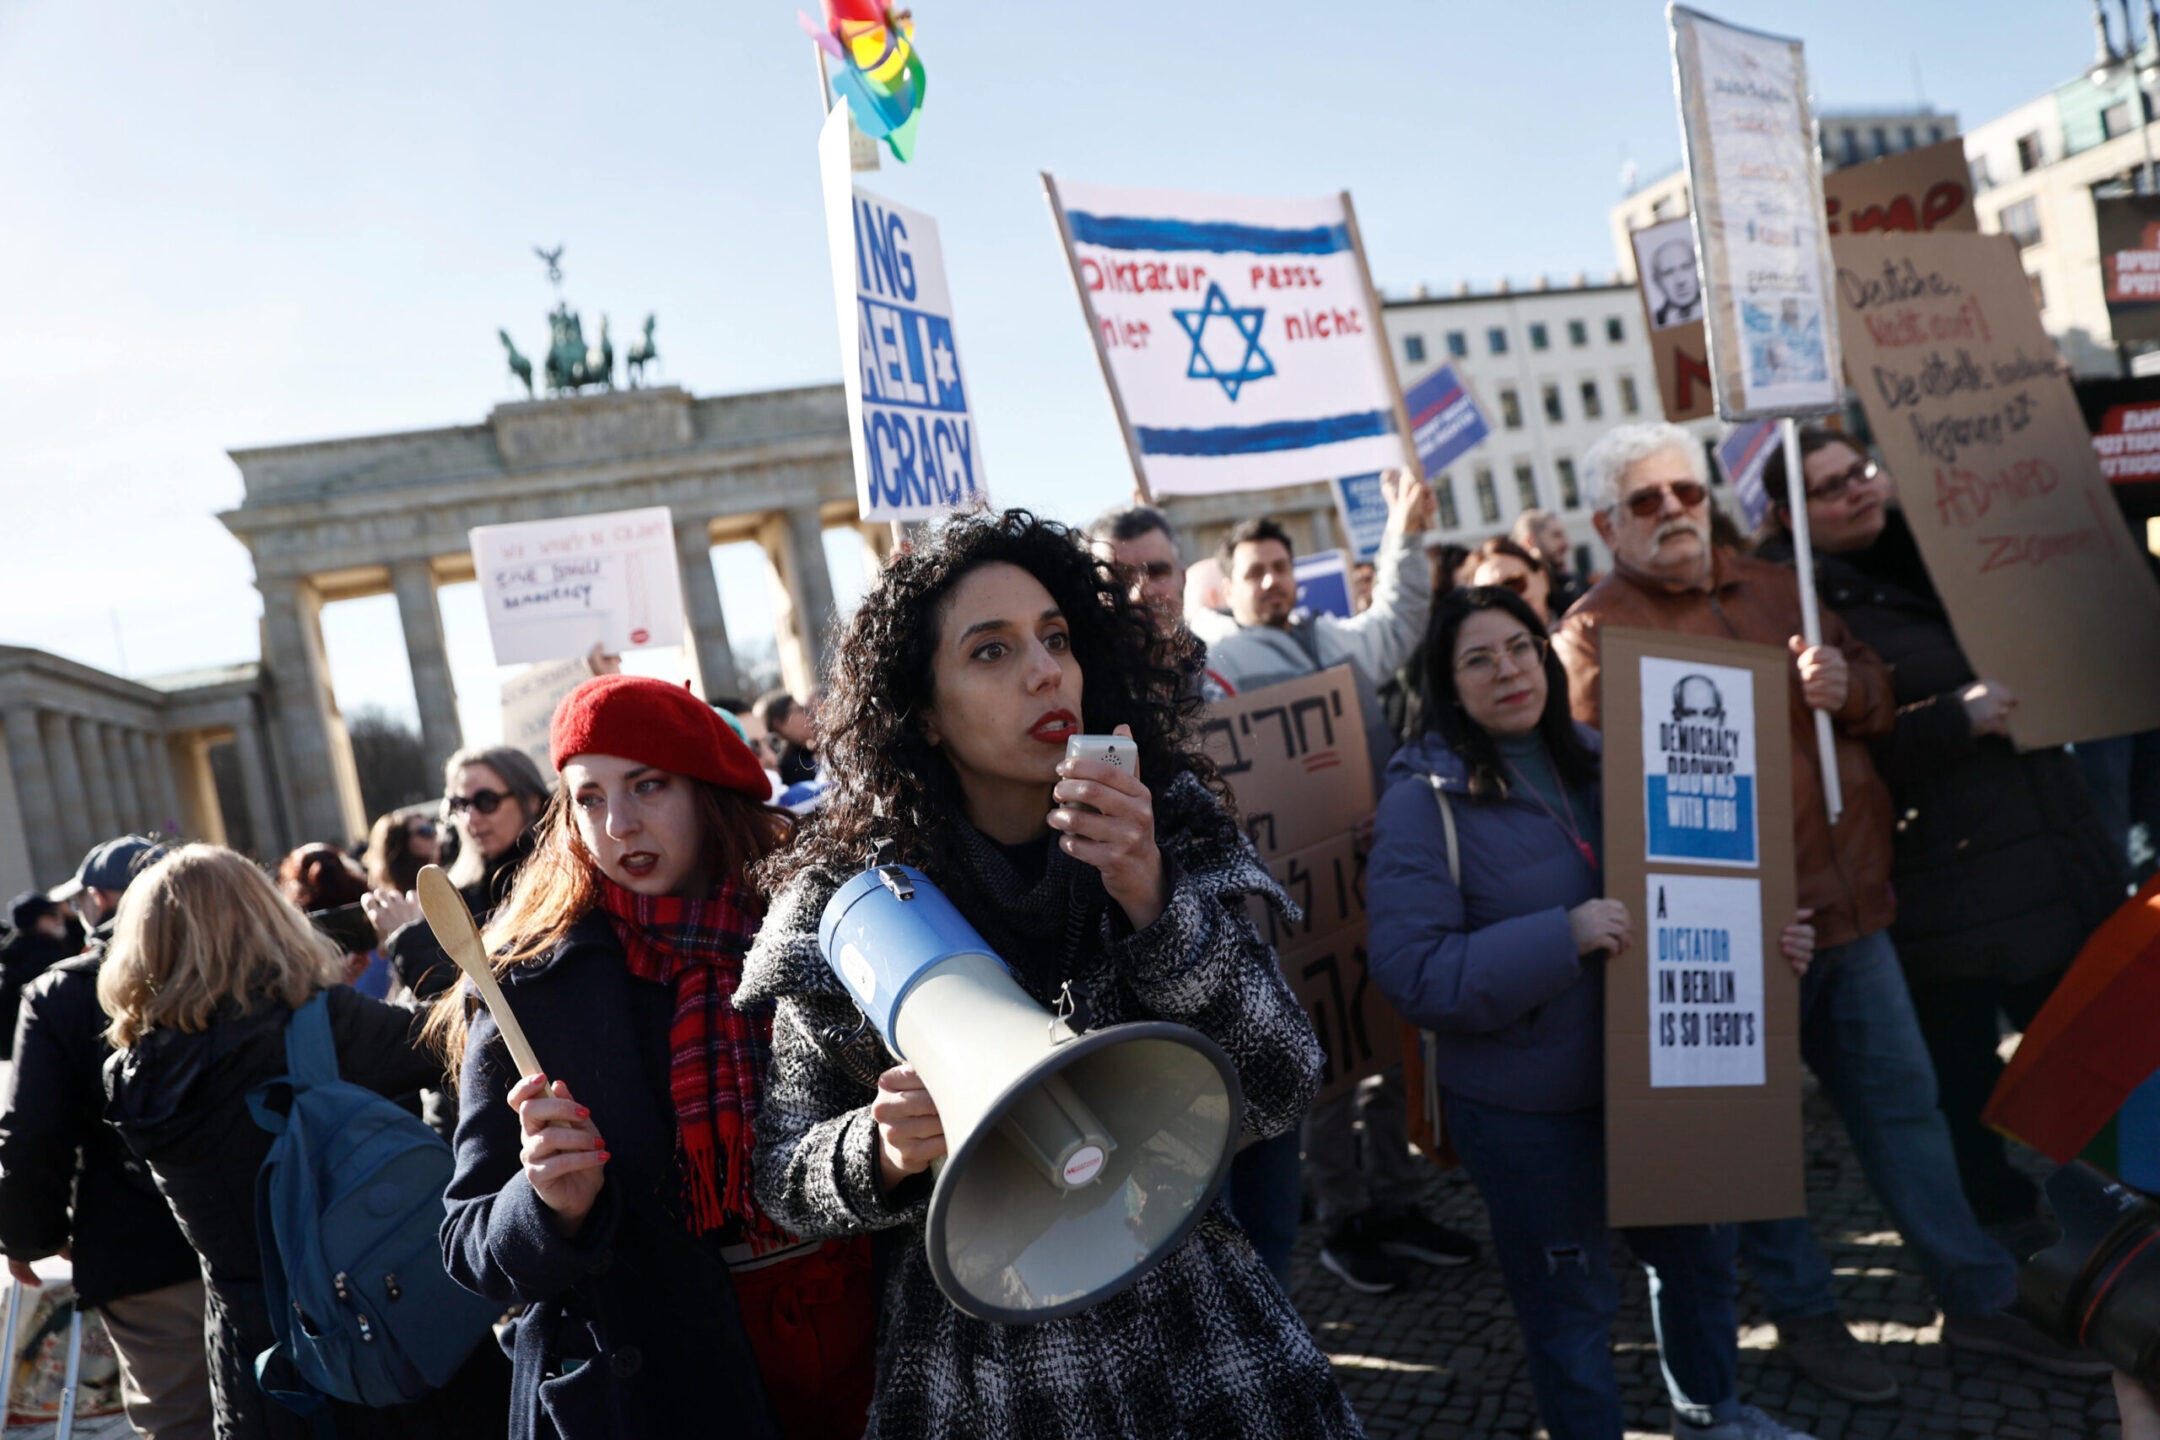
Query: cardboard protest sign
x=1758, y=198
x=1294, y=755
x=2129, y=230
x=1445, y=421
x=1667, y=278
x=2047, y=591
x=1323, y=583
x=916, y=450
x=1240, y=336
x=556, y=588
x=528, y=705
x=1702, y=1014
x=1928, y=188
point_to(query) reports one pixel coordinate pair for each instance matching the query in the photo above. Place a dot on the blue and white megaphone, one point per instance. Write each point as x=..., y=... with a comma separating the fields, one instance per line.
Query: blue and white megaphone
x=1074, y=1163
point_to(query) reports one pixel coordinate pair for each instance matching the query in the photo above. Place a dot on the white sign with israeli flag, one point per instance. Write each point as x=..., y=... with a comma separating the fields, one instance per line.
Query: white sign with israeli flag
x=1238, y=334
x=915, y=442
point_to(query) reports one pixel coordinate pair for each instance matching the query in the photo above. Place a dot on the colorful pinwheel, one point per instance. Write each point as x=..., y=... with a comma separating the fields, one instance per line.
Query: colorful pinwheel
x=878, y=70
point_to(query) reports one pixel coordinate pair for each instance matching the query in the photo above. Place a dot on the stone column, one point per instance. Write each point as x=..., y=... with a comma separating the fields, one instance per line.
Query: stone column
x=325, y=786
x=34, y=794
x=795, y=549
x=201, y=818
x=97, y=784
x=157, y=813
x=255, y=788
x=127, y=800
x=75, y=823
x=701, y=602
x=413, y=581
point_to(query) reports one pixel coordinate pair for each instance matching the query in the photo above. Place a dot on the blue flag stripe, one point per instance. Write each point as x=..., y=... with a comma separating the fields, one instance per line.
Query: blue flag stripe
x=1260, y=439
x=1219, y=237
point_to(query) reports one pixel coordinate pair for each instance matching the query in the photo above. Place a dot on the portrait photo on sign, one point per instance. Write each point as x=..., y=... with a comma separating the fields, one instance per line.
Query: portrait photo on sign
x=1665, y=258
x=1698, y=728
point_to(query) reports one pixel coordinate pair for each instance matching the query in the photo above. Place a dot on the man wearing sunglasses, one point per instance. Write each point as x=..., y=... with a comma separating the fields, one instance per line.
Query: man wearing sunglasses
x=1857, y=1027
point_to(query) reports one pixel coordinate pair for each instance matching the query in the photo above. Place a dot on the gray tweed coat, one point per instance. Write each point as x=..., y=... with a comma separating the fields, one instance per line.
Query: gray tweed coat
x=1205, y=1345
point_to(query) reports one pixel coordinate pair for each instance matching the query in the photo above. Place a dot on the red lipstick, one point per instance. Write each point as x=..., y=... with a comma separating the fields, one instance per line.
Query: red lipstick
x=1056, y=727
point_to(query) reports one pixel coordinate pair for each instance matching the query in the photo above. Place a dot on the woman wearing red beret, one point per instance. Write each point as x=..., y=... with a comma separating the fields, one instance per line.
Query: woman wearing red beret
x=612, y=1195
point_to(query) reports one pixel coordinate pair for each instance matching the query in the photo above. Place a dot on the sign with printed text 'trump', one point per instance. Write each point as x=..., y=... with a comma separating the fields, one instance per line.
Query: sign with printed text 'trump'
x=914, y=436
x=1699, y=773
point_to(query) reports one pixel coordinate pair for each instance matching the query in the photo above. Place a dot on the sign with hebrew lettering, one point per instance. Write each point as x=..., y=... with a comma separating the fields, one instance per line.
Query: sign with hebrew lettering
x=2047, y=590
x=1698, y=737
x=1294, y=755
x=553, y=589
x=916, y=448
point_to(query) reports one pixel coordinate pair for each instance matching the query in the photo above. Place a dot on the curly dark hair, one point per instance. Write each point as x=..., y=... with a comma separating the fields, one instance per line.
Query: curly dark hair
x=1576, y=763
x=890, y=786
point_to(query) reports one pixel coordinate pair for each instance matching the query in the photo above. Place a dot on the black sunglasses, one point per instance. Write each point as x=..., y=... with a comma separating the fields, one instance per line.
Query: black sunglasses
x=484, y=801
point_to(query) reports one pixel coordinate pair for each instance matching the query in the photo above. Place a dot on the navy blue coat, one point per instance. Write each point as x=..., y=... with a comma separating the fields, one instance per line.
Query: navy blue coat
x=1489, y=967
x=631, y=1328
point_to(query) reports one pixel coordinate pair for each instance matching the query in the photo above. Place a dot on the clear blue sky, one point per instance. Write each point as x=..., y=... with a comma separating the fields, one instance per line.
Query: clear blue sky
x=231, y=224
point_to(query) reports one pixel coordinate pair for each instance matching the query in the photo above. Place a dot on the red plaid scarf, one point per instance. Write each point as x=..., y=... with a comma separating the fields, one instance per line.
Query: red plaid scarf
x=717, y=1054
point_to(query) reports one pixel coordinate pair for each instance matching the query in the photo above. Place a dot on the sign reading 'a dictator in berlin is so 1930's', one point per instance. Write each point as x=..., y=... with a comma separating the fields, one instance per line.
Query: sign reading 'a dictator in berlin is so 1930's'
x=1705, y=936
x=1699, y=772
x=916, y=453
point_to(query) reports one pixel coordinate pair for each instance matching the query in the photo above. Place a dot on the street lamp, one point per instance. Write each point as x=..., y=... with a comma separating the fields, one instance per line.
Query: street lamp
x=2109, y=69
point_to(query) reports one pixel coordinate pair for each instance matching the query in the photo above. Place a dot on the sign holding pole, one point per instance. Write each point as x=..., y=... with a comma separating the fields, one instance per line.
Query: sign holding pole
x=1765, y=259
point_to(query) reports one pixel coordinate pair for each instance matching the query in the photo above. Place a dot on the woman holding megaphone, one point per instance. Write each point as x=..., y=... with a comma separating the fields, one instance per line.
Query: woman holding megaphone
x=1110, y=895
x=612, y=1195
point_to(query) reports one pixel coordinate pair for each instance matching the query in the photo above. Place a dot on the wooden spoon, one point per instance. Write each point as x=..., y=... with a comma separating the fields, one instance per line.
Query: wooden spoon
x=460, y=938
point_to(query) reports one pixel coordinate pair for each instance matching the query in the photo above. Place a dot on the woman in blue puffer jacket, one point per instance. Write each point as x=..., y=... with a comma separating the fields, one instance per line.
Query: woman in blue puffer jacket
x=1498, y=944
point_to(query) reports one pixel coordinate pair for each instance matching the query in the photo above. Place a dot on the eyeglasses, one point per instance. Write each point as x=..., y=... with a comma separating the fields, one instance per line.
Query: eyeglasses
x=1524, y=652
x=1646, y=502
x=1860, y=473
x=484, y=801
x=421, y=829
x=1520, y=584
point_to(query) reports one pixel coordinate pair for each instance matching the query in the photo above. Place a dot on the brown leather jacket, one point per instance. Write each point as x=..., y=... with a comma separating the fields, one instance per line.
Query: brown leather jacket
x=1844, y=874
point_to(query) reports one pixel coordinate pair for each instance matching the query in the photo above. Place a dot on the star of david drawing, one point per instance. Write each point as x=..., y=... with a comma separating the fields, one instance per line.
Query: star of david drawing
x=1243, y=325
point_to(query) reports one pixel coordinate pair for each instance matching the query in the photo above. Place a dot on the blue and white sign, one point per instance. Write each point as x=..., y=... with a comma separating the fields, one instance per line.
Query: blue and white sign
x=1705, y=935
x=1699, y=773
x=1238, y=334
x=1445, y=420
x=916, y=453
x=1323, y=583
x=1362, y=503
x=1742, y=456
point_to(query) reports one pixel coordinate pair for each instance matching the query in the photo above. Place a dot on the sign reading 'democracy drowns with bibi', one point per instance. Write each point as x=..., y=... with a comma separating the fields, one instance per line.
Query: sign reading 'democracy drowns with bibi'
x=916, y=450
x=1702, y=1016
x=1995, y=472
x=1758, y=211
x=556, y=588
x=1240, y=336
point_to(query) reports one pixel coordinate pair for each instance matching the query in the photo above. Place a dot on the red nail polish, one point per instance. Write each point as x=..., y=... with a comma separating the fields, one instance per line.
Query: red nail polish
x=583, y=1113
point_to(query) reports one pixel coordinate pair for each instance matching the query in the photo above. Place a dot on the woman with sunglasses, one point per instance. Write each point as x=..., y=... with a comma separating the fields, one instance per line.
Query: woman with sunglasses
x=1492, y=933
x=1500, y=561
x=2001, y=865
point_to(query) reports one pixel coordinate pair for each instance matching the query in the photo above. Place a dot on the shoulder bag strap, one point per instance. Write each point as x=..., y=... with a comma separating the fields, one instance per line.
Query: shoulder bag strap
x=1447, y=823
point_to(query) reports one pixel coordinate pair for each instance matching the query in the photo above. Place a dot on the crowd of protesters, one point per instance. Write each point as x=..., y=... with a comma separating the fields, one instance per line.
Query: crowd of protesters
x=708, y=1207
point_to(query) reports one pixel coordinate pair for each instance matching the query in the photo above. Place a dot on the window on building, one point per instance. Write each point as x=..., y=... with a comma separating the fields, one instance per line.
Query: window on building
x=1629, y=404
x=2030, y=155
x=1881, y=137
x=1511, y=409
x=1458, y=344
x=1413, y=349
x=1525, y=486
x=2115, y=120
x=1570, y=491
x=1852, y=147
x=1907, y=138
x=1488, y=499
x=1935, y=134
x=1613, y=332
x=1540, y=338
x=1444, y=497
x=1592, y=407
x=2022, y=221
x=1496, y=340
x=1552, y=404
x=2039, y=291
x=1578, y=334
x=1981, y=178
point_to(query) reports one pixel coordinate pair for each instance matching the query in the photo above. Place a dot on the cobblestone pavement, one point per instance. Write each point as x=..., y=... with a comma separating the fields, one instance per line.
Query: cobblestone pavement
x=1442, y=1357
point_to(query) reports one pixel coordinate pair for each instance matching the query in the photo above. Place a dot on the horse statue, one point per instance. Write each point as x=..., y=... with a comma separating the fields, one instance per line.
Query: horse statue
x=571, y=363
x=640, y=355
x=519, y=365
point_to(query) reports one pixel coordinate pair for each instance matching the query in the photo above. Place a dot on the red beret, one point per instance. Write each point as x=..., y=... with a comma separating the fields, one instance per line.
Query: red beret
x=635, y=717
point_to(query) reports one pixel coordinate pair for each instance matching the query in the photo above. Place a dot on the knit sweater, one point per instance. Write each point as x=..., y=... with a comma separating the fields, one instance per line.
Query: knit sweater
x=1204, y=1345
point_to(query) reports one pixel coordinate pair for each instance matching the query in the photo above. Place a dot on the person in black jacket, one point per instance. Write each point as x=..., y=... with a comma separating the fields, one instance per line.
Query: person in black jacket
x=39, y=942
x=67, y=1184
x=207, y=965
x=2002, y=869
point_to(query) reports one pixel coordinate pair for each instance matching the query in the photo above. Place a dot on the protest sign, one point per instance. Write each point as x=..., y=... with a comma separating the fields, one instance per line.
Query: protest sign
x=1742, y=456
x=915, y=442
x=1240, y=337
x=2129, y=230
x=1758, y=203
x=2124, y=417
x=1702, y=1013
x=556, y=588
x=528, y=705
x=1361, y=503
x=1294, y=755
x=1669, y=282
x=1323, y=583
x=1445, y=422
x=1928, y=188
x=2046, y=589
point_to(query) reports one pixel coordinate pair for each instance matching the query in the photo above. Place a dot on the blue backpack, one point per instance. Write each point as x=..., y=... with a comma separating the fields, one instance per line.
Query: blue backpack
x=348, y=1204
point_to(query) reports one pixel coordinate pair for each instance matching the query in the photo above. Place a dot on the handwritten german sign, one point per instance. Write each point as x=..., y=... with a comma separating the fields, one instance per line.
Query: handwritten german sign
x=556, y=588
x=1993, y=466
